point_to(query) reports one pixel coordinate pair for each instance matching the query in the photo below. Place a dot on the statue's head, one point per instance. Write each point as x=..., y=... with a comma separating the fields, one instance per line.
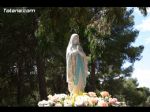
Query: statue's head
x=74, y=39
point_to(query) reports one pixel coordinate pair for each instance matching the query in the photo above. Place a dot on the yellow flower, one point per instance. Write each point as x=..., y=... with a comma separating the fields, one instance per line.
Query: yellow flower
x=85, y=93
x=73, y=97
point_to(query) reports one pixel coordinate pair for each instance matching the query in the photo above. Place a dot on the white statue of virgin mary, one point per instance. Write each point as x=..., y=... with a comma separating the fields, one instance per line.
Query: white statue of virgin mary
x=77, y=66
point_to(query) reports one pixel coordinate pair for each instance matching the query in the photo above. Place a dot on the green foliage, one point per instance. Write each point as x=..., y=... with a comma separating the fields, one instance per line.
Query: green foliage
x=134, y=96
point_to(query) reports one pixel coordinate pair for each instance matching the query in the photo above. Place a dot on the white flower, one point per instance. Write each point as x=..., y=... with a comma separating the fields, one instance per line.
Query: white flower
x=60, y=96
x=86, y=100
x=100, y=99
x=58, y=105
x=82, y=100
x=102, y=104
x=43, y=103
x=40, y=104
x=118, y=103
x=51, y=103
x=123, y=104
x=49, y=97
x=46, y=105
x=67, y=103
x=79, y=101
x=55, y=98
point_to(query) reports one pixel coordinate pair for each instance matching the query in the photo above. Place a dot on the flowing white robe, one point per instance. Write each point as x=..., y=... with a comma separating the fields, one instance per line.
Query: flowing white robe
x=77, y=70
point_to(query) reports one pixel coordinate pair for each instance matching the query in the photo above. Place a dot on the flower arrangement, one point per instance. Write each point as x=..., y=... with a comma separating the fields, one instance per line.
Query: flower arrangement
x=89, y=99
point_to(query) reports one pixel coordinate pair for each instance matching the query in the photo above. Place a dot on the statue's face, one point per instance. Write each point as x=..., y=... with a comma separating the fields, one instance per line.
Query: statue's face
x=76, y=40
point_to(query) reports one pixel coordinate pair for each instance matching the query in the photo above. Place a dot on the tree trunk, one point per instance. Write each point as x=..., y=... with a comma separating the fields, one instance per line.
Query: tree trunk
x=30, y=77
x=41, y=79
x=93, y=76
x=19, y=83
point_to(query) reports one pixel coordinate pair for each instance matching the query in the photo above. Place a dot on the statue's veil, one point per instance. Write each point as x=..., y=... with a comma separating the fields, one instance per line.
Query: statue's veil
x=70, y=45
x=68, y=51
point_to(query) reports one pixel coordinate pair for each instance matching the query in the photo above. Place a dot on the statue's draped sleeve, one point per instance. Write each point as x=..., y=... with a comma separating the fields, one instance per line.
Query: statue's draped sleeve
x=69, y=68
x=70, y=71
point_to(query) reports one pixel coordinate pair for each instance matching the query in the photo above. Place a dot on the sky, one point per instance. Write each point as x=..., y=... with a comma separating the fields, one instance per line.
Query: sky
x=142, y=67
